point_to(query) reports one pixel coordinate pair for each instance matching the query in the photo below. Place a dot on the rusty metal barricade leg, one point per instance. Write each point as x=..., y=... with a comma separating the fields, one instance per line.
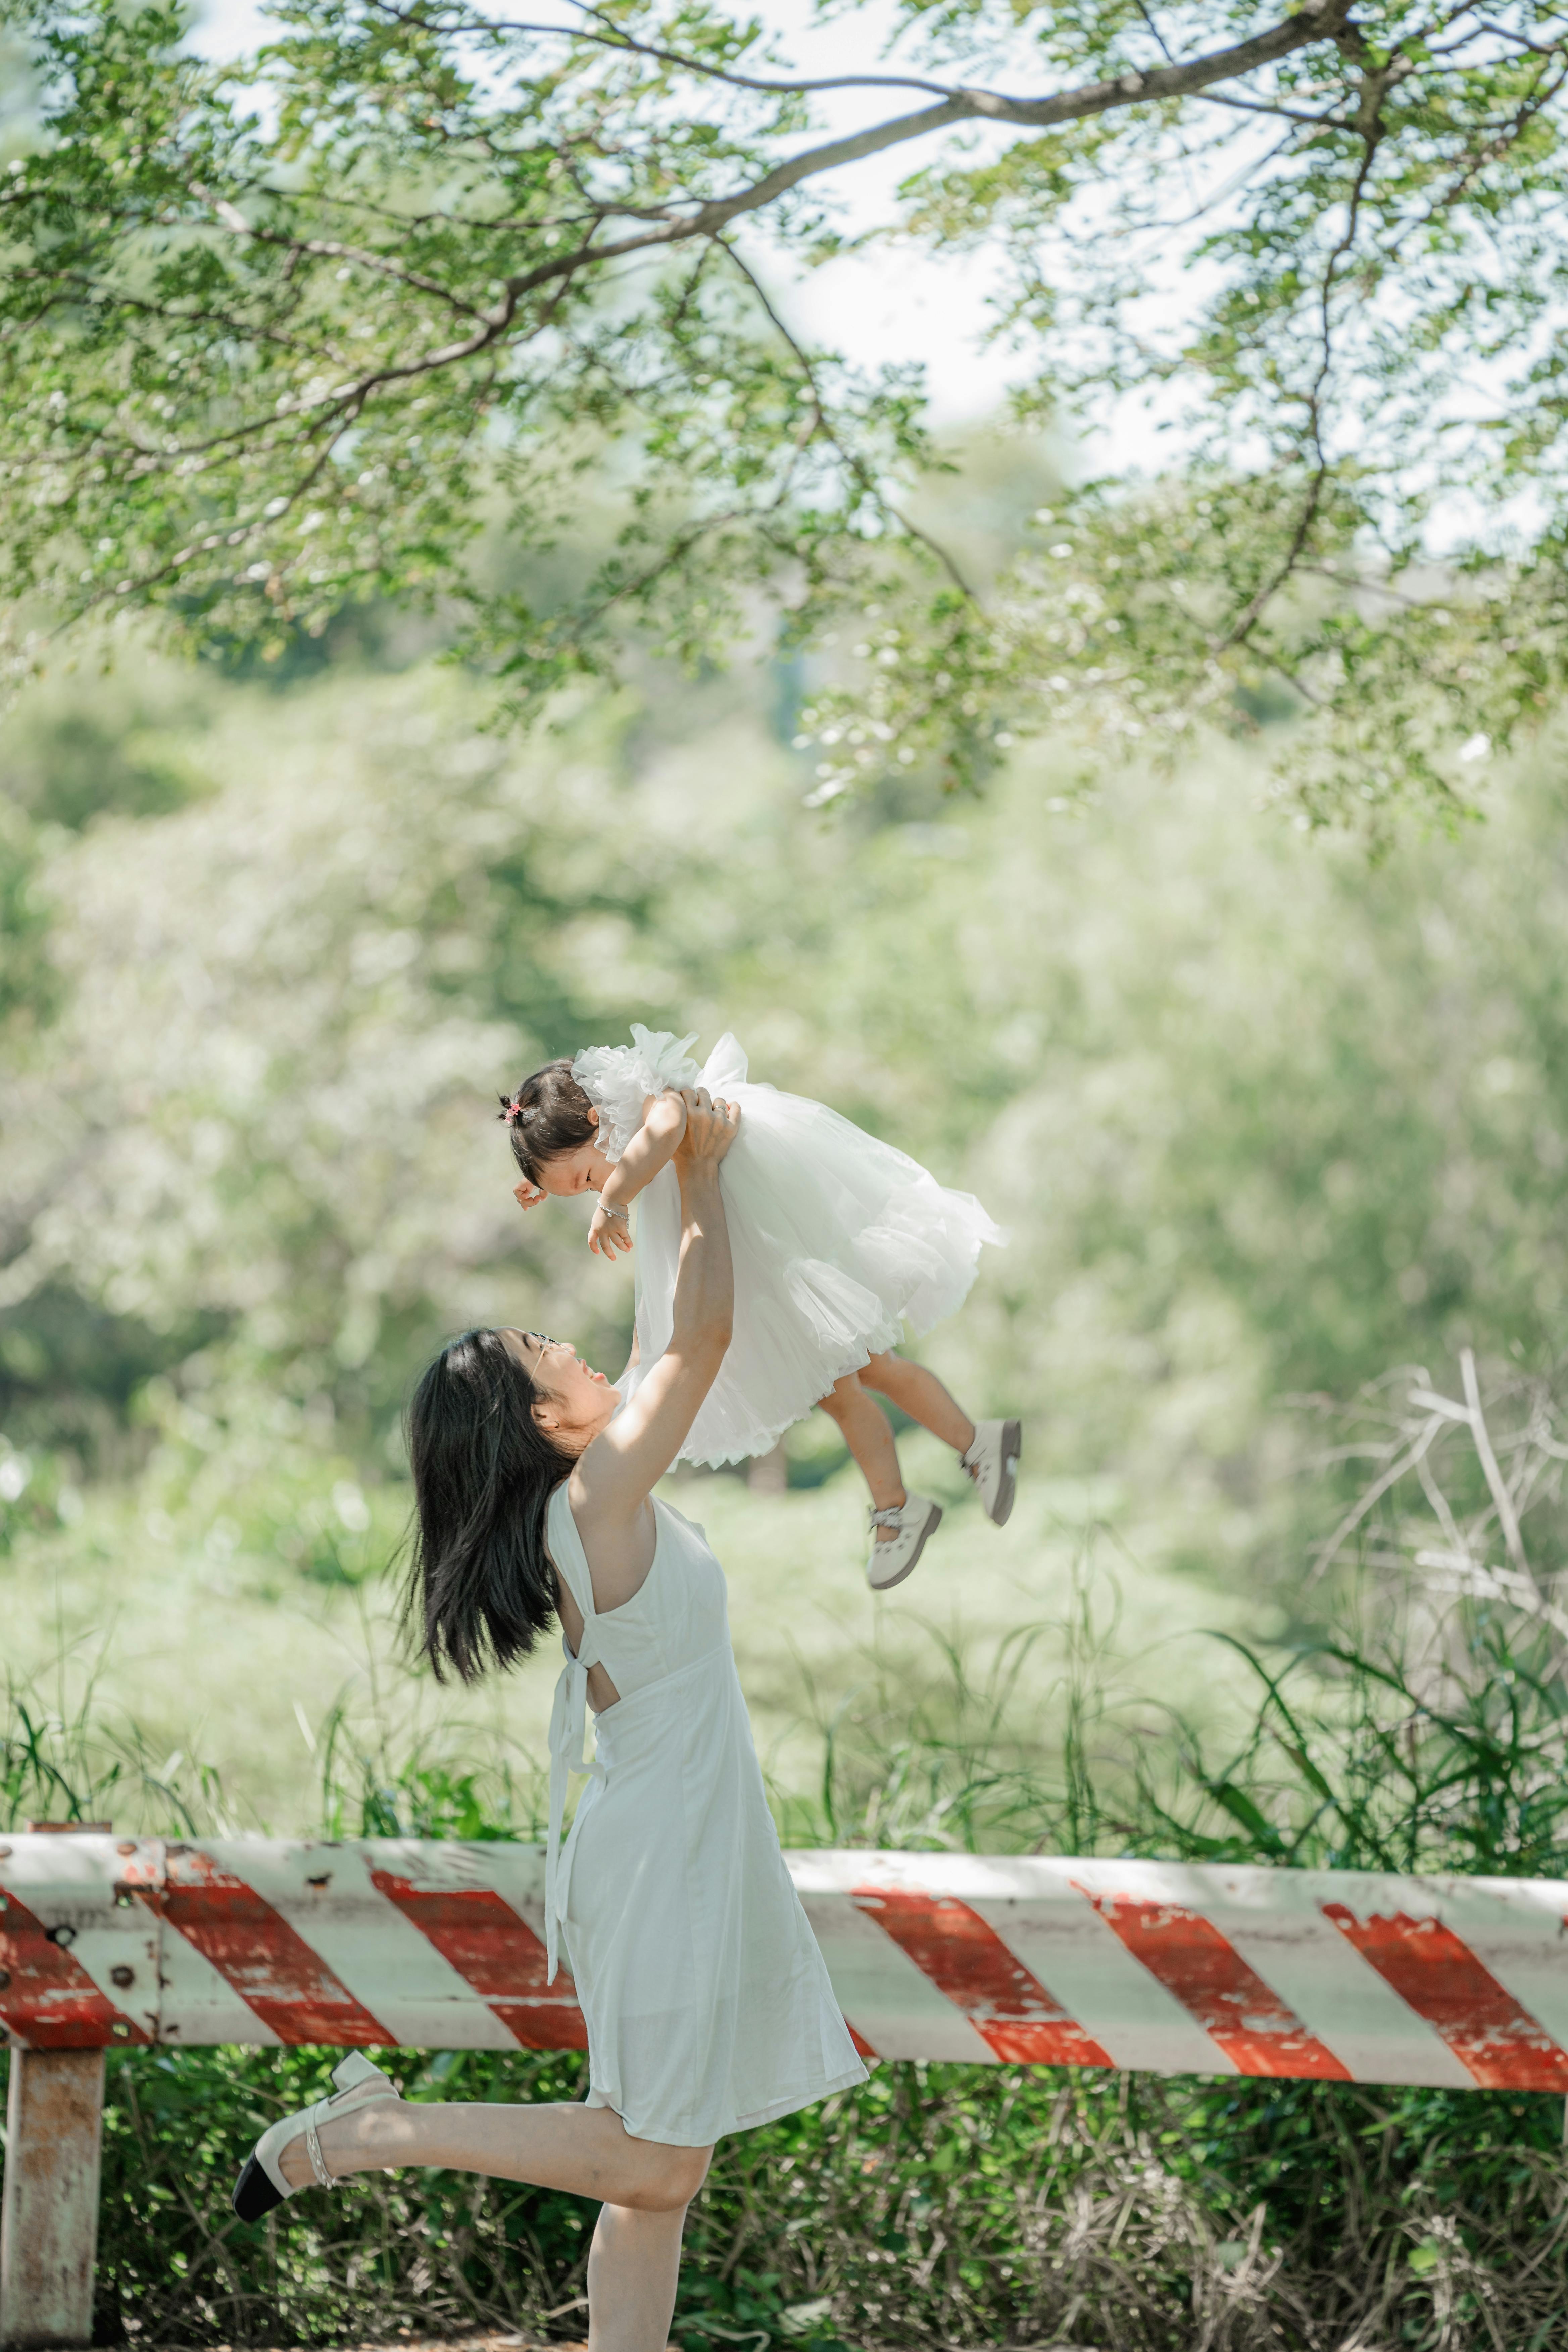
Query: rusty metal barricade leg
x=48, y=2214
x=48, y=2207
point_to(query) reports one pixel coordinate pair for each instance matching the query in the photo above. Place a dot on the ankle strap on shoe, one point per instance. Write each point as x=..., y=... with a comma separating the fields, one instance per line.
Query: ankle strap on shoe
x=893, y=1517
x=324, y=2178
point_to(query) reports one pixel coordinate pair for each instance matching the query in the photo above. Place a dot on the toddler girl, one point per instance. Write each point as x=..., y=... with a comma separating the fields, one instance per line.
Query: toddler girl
x=840, y=1243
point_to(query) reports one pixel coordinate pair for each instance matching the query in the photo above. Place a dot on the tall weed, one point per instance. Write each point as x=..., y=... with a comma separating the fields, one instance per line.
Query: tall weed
x=1422, y=1729
x=62, y=1760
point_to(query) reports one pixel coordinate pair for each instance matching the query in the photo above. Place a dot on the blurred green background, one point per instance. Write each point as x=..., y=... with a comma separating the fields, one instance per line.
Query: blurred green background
x=1263, y=1119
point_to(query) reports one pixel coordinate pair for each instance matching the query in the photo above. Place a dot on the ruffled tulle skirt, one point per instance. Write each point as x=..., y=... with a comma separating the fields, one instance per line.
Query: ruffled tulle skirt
x=842, y=1246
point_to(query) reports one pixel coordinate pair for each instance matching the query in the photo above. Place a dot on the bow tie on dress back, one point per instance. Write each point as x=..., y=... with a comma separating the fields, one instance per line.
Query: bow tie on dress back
x=568, y=1744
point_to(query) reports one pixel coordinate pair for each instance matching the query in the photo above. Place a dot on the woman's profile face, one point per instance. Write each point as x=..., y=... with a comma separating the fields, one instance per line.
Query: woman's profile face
x=573, y=1398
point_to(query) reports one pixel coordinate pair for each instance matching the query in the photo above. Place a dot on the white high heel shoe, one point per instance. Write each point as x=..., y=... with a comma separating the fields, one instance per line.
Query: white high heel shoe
x=261, y=2184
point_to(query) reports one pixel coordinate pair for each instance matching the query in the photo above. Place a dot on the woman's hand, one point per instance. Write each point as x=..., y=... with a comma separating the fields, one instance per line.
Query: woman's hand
x=711, y=1128
x=616, y=1473
x=609, y=1234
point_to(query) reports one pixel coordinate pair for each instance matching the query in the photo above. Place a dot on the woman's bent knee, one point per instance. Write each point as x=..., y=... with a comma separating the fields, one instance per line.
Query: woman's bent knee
x=674, y=2176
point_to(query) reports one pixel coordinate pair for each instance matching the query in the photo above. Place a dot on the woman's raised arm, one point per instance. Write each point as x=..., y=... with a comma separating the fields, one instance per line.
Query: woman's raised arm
x=620, y=1470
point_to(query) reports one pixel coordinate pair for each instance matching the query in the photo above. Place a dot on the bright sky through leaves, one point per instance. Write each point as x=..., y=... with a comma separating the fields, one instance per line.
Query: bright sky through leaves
x=270, y=348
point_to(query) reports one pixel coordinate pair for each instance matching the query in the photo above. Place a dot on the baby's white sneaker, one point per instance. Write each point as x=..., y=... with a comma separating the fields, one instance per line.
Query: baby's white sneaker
x=890, y=1562
x=993, y=1463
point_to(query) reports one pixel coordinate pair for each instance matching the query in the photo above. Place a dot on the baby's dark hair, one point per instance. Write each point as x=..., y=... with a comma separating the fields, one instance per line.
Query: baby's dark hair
x=549, y=1116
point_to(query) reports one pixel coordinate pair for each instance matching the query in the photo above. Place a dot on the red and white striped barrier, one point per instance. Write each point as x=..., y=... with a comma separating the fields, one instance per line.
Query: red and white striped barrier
x=1174, y=1968
x=1341, y=1976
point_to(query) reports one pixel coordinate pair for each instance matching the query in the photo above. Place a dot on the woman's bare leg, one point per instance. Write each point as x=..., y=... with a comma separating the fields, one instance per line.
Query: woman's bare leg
x=869, y=1435
x=634, y=2263
x=644, y=2185
x=586, y=2151
x=922, y=1396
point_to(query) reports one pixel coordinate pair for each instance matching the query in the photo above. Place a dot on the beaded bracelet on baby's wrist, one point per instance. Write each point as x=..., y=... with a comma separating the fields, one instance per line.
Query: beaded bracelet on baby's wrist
x=614, y=1209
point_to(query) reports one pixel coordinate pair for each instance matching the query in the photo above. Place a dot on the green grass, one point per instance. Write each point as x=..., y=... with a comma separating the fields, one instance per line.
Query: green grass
x=221, y=1613
x=939, y=2204
x=949, y=2205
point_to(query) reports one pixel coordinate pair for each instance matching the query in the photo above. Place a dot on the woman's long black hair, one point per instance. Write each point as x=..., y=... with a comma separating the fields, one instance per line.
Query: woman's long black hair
x=480, y=1587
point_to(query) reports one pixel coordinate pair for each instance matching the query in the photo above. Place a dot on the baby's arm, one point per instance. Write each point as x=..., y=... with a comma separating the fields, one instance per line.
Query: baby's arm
x=653, y=1147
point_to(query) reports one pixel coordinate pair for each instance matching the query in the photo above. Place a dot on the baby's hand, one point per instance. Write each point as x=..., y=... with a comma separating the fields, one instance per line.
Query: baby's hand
x=527, y=1195
x=609, y=1235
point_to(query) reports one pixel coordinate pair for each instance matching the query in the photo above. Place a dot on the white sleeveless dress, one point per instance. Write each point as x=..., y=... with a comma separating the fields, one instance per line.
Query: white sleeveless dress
x=842, y=1245
x=707, y=1999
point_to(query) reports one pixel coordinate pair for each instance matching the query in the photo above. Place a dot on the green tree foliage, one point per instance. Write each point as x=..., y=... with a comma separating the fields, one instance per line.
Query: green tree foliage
x=27, y=995
x=1254, y=1123
x=283, y=336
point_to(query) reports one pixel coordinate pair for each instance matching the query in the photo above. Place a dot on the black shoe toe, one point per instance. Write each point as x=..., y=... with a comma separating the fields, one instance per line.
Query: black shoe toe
x=254, y=2193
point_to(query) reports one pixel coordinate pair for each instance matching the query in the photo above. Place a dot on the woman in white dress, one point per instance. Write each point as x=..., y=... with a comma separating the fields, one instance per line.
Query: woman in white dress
x=708, y=2004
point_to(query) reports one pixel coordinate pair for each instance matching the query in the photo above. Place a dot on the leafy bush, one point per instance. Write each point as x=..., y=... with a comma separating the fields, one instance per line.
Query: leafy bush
x=938, y=2204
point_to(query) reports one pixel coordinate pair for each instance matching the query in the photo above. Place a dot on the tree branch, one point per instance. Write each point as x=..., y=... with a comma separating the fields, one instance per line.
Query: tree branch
x=627, y=46
x=1375, y=90
x=140, y=583
x=1316, y=20
x=856, y=465
x=327, y=248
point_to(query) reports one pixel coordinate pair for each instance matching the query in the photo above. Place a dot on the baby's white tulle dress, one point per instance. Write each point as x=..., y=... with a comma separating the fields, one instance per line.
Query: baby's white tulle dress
x=842, y=1245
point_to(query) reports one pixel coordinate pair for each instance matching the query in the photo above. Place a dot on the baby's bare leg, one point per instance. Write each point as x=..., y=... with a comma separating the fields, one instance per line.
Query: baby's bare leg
x=869, y=1435
x=922, y=1396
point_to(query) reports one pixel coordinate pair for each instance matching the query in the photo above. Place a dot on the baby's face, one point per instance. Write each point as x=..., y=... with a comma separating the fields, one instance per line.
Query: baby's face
x=586, y=1169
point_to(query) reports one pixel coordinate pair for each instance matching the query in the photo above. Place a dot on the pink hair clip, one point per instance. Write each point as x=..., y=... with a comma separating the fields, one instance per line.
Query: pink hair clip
x=512, y=1112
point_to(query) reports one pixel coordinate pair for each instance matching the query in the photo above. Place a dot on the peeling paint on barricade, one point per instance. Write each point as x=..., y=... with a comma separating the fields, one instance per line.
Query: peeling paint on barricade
x=984, y=1960
x=968, y=1961
x=1258, y=2033
x=274, y=1970
x=495, y=1952
x=1501, y=2044
x=51, y=1998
